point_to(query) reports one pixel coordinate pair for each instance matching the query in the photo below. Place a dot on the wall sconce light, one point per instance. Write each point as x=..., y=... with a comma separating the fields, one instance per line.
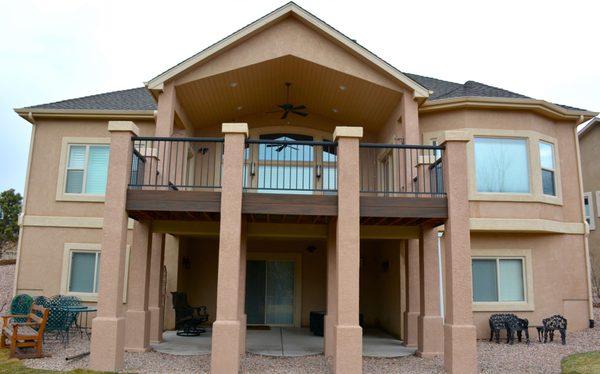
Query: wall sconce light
x=311, y=249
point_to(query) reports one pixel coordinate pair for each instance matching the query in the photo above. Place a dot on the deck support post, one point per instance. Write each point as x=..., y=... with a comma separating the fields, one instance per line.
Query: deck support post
x=137, y=317
x=460, y=348
x=227, y=329
x=431, y=330
x=347, y=332
x=413, y=294
x=330, y=317
x=155, y=294
x=108, y=337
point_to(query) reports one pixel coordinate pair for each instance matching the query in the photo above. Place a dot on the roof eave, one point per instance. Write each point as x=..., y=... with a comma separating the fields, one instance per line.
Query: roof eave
x=541, y=106
x=156, y=83
x=30, y=113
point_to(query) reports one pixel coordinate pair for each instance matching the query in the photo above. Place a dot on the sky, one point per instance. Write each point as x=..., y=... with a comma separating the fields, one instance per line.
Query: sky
x=61, y=49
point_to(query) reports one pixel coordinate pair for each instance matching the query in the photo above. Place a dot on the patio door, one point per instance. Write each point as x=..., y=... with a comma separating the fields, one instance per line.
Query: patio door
x=270, y=292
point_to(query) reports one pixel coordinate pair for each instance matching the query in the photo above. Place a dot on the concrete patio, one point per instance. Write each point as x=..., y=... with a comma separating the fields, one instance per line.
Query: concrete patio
x=283, y=342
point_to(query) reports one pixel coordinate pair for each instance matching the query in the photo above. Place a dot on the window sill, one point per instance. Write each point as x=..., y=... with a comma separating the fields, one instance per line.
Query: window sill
x=514, y=197
x=503, y=307
x=86, y=297
x=81, y=198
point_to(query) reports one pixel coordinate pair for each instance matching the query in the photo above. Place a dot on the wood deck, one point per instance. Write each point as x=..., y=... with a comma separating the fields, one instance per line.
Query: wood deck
x=284, y=208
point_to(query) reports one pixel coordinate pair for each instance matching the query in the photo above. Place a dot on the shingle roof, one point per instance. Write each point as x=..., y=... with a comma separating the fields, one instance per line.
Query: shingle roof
x=131, y=99
x=140, y=98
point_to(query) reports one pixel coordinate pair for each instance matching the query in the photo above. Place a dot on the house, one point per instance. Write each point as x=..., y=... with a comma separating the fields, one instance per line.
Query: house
x=589, y=149
x=287, y=169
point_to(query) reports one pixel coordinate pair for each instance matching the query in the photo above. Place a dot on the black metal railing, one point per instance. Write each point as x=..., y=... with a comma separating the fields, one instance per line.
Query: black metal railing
x=401, y=170
x=290, y=166
x=176, y=163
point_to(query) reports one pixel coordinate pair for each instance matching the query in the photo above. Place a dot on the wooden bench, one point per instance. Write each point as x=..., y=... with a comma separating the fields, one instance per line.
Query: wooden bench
x=28, y=334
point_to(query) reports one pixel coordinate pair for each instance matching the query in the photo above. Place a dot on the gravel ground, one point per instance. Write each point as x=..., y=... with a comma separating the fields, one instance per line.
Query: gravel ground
x=7, y=274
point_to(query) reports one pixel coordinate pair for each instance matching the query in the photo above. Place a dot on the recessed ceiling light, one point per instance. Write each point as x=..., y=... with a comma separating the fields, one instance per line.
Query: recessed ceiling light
x=334, y=110
x=233, y=84
x=343, y=88
x=240, y=107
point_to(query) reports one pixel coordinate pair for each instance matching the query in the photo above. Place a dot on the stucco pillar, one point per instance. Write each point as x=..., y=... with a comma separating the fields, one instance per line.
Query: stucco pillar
x=171, y=262
x=242, y=289
x=108, y=337
x=431, y=331
x=413, y=294
x=165, y=111
x=460, y=349
x=226, y=333
x=155, y=291
x=347, y=332
x=137, y=317
x=330, y=317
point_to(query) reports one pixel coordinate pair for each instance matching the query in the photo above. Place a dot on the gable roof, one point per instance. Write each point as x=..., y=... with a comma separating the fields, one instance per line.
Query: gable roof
x=286, y=10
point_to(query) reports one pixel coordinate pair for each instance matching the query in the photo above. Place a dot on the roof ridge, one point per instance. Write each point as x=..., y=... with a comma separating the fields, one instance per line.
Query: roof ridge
x=495, y=87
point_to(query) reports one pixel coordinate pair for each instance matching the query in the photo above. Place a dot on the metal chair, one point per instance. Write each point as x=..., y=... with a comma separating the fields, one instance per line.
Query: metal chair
x=21, y=305
x=188, y=319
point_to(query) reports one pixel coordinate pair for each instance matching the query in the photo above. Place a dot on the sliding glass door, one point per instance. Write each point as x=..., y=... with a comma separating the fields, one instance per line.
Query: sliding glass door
x=270, y=292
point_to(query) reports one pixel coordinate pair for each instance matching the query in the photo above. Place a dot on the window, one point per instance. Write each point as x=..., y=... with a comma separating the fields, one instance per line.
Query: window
x=589, y=210
x=501, y=165
x=547, y=164
x=498, y=279
x=87, y=169
x=83, y=271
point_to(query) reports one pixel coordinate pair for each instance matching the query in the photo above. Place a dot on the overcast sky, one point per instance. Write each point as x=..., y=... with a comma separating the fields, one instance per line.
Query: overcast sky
x=54, y=50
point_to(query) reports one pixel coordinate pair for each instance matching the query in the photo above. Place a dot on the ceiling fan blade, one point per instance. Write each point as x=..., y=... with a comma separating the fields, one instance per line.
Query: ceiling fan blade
x=274, y=111
x=280, y=148
x=303, y=114
x=299, y=107
x=285, y=114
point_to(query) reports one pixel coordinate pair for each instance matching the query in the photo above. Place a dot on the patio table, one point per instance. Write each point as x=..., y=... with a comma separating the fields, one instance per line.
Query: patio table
x=77, y=312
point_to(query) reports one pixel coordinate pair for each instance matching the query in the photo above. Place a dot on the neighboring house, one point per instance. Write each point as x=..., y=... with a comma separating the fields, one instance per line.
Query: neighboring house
x=589, y=148
x=266, y=201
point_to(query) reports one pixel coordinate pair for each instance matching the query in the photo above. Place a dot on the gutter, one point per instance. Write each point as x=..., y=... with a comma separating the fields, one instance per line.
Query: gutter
x=28, y=114
x=586, y=246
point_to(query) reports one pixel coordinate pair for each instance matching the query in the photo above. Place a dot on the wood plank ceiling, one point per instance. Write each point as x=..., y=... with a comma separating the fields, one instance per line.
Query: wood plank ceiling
x=257, y=89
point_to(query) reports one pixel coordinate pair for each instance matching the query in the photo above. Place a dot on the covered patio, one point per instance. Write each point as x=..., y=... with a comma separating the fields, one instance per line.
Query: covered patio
x=282, y=342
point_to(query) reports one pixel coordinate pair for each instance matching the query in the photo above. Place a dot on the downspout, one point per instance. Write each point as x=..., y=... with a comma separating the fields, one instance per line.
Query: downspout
x=25, y=192
x=588, y=267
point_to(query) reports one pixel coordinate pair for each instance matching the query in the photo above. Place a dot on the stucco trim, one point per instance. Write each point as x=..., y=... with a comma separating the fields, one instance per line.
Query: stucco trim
x=67, y=222
x=500, y=306
x=235, y=128
x=525, y=225
x=539, y=106
x=535, y=169
x=123, y=126
x=597, y=193
x=592, y=223
x=62, y=169
x=272, y=18
x=347, y=132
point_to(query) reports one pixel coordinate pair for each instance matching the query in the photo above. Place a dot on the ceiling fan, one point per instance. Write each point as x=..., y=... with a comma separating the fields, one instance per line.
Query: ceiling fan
x=288, y=107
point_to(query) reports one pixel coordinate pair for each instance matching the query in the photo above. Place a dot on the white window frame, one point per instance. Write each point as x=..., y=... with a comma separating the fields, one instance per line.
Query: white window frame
x=69, y=249
x=508, y=254
x=67, y=143
x=592, y=217
x=553, y=170
x=597, y=203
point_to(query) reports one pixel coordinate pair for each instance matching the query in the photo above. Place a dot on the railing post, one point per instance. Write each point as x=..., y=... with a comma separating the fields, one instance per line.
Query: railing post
x=460, y=349
x=347, y=332
x=108, y=337
x=227, y=329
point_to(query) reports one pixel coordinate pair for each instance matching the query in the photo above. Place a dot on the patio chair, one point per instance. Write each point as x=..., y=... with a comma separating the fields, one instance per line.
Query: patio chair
x=188, y=319
x=21, y=305
x=59, y=320
x=27, y=334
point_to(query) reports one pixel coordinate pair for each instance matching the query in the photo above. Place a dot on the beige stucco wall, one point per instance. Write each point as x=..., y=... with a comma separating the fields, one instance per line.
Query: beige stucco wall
x=559, y=280
x=589, y=146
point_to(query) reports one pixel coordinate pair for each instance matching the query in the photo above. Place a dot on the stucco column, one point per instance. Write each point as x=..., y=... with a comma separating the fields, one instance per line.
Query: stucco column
x=242, y=289
x=155, y=292
x=108, y=337
x=171, y=262
x=165, y=111
x=137, y=317
x=431, y=331
x=460, y=349
x=413, y=294
x=347, y=332
x=226, y=347
x=330, y=317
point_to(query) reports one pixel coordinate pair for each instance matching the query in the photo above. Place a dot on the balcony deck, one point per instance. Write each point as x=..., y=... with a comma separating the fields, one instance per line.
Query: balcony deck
x=286, y=187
